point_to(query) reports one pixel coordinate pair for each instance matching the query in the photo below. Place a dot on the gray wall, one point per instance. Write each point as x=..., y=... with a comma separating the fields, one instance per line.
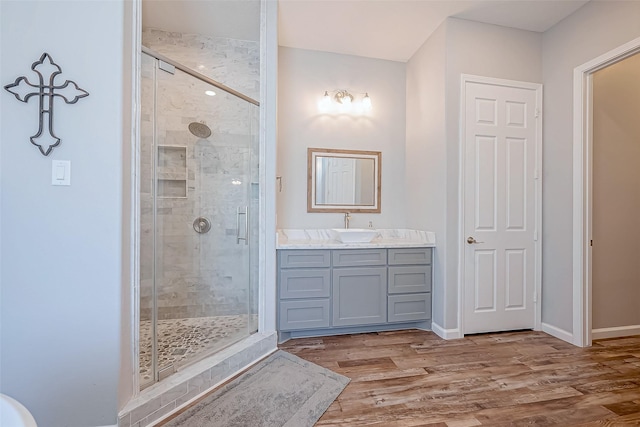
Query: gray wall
x=426, y=146
x=303, y=76
x=433, y=145
x=616, y=195
x=61, y=266
x=489, y=51
x=591, y=31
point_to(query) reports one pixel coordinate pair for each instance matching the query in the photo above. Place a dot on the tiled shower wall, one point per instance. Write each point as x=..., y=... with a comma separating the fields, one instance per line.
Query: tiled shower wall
x=235, y=63
x=199, y=274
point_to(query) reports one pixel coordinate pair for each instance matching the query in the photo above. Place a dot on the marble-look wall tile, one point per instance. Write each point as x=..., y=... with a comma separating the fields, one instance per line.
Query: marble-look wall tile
x=173, y=394
x=235, y=63
x=141, y=412
x=197, y=275
x=124, y=421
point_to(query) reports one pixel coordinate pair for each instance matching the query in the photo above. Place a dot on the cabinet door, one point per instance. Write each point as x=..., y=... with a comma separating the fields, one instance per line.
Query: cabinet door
x=359, y=296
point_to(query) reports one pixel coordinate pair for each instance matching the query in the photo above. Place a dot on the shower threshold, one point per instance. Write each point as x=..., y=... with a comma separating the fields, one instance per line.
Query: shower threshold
x=182, y=342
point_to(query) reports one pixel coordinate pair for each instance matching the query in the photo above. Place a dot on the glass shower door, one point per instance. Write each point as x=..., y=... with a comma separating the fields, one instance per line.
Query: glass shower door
x=204, y=160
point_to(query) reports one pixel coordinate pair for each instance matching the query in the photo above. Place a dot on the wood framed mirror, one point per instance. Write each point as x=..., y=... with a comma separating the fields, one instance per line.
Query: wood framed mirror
x=343, y=180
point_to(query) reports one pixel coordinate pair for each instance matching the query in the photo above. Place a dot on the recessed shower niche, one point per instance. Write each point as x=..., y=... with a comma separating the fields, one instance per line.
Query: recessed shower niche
x=172, y=171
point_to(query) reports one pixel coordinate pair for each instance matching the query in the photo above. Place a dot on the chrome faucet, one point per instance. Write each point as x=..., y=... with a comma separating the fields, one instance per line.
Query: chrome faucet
x=347, y=218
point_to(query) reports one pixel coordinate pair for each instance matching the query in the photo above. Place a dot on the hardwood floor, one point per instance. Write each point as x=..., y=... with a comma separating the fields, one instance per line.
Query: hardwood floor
x=414, y=378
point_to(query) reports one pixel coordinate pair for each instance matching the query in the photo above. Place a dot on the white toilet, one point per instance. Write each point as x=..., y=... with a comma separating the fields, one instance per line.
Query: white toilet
x=14, y=414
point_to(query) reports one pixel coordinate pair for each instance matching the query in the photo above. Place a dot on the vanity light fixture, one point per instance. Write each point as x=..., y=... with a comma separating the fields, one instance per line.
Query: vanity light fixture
x=344, y=99
x=366, y=102
x=326, y=101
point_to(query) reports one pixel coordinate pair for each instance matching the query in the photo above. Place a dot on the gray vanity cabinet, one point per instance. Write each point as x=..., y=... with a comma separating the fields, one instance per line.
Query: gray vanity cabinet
x=359, y=293
x=409, y=284
x=353, y=289
x=359, y=296
x=304, y=288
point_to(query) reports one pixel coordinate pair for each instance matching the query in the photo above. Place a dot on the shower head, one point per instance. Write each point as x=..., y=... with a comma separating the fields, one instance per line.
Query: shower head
x=199, y=129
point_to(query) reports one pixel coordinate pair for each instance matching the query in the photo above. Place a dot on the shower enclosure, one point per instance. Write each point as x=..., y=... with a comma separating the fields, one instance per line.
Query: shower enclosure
x=198, y=218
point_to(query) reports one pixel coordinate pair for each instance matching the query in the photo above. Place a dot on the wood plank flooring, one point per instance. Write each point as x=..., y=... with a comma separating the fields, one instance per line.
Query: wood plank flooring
x=414, y=378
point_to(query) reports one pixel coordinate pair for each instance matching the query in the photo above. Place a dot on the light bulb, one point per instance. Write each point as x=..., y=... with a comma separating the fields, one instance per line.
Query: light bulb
x=346, y=99
x=366, y=102
x=209, y=92
x=325, y=103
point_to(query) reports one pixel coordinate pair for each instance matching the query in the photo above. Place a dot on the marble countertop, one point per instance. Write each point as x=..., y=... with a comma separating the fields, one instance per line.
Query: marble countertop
x=324, y=239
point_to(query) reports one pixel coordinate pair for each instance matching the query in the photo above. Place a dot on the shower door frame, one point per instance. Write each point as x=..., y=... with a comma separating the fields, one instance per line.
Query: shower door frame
x=159, y=58
x=197, y=75
x=130, y=396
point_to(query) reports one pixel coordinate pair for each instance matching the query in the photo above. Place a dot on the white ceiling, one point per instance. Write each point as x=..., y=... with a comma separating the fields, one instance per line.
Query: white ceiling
x=236, y=19
x=395, y=29
x=384, y=29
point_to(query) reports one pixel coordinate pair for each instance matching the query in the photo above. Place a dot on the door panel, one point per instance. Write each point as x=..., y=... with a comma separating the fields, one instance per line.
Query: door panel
x=516, y=279
x=485, y=280
x=485, y=188
x=516, y=183
x=499, y=194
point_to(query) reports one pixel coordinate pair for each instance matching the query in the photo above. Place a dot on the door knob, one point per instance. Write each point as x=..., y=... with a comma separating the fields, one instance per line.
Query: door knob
x=471, y=240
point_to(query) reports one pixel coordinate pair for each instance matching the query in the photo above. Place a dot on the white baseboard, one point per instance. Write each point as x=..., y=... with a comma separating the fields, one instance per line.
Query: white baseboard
x=557, y=332
x=447, y=334
x=615, y=332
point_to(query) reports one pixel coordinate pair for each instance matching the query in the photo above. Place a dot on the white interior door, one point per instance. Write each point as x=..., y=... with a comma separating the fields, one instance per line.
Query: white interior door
x=340, y=181
x=501, y=141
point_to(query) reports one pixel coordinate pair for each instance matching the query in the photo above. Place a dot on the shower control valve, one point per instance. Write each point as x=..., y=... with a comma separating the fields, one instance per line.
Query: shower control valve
x=201, y=225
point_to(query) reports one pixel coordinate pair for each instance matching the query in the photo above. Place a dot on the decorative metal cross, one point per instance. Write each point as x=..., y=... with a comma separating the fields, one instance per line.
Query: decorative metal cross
x=46, y=69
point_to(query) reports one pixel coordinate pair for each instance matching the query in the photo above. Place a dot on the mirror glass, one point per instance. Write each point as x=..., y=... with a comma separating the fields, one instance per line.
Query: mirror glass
x=343, y=180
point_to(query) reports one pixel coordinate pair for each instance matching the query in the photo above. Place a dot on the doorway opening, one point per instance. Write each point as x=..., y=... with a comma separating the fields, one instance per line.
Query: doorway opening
x=583, y=190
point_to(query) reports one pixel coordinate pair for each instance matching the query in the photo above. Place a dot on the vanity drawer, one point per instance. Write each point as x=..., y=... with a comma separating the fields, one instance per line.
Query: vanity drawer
x=306, y=314
x=304, y=258
x=305, y=283
x=407, y=308
x=410, y=279
x=359, y=257
x=410, y=256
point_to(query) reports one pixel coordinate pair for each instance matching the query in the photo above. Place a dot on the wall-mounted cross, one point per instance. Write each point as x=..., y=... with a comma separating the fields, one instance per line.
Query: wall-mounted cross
x=47, y=71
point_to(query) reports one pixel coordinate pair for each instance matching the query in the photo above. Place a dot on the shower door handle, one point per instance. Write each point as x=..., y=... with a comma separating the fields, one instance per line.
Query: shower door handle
x=246, y=225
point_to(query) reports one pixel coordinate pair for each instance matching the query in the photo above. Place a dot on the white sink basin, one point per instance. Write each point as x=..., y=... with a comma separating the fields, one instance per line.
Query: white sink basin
x=354, y=235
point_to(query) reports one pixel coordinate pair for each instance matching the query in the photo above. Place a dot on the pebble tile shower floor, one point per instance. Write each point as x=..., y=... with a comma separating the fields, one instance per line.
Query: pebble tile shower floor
x=180, y=340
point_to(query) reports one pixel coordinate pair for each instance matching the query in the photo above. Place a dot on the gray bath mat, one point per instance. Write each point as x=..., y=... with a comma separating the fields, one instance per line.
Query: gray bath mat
x=282, y=390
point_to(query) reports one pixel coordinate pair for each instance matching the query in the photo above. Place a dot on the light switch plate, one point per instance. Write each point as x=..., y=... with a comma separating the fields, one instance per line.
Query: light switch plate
x=60, y=172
